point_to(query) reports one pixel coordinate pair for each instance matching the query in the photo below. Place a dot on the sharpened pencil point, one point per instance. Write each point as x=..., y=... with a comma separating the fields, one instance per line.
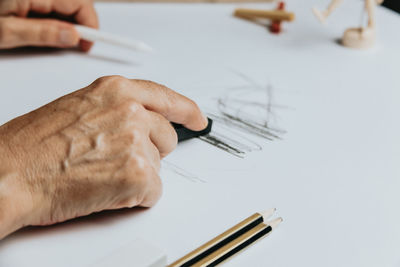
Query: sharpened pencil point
x=275, y=223
x=267, y=213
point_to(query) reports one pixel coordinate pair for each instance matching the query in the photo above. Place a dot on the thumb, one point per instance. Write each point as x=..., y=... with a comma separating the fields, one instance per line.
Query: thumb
x=15, y=32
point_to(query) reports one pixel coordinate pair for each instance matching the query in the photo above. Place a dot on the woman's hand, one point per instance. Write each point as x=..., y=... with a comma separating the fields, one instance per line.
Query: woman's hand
x=17, y=29
x=95, y=149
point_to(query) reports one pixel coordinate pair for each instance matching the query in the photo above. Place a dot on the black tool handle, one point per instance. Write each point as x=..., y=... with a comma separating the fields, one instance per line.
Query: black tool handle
x=185, y=134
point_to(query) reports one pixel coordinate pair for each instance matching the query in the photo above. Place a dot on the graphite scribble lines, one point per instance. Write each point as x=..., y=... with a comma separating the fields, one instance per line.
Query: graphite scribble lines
x=244, y=111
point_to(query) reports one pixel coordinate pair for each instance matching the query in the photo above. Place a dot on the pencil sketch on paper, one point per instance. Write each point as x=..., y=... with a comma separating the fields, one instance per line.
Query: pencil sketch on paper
x=169, y=166
x=243, y=113
x=243, y=117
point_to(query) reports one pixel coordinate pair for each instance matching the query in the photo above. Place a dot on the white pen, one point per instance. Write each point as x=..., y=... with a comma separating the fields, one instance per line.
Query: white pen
x=93, y=35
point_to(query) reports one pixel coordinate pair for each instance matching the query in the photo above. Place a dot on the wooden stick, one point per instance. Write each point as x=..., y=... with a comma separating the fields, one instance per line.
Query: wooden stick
x=277, y=15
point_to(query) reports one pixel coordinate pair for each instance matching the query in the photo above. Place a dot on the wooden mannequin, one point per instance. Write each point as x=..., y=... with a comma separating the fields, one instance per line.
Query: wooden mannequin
x=362, y=37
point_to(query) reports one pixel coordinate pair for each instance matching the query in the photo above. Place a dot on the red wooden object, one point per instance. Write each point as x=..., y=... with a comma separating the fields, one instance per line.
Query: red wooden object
x=275, y=26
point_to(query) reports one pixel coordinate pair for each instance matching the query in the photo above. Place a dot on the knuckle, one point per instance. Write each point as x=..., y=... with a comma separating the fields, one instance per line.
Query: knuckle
x=101, y=80
x=113, y=82
x=50, y=32
x=136, y=136
x=135, y=172
x=128, y=107
x=140, y=168
x=131, y=109
x=146, y=184
x=132, y=138
x=140, y=165
x=143, y=83
x=110, y=89
x=97, y=87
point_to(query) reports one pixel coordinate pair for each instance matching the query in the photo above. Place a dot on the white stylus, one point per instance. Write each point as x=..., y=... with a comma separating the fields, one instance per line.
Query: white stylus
x=93, y=35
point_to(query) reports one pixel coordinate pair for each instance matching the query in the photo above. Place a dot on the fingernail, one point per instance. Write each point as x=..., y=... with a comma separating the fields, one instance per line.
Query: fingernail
x=67, y=37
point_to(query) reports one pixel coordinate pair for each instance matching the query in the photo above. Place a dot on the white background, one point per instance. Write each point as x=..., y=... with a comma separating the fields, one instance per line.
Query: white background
x=334, y=178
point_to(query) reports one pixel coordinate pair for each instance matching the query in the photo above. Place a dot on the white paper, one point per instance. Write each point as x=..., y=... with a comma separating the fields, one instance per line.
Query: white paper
x=138, y=253
x=334, y=176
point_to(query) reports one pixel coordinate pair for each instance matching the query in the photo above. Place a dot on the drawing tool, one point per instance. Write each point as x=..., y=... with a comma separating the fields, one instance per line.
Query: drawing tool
x=231, y=241
x=94, y=35
x=276, y=15
x=185, y=133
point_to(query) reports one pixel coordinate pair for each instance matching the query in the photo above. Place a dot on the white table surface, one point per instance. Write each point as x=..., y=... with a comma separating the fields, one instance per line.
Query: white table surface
x=334, y=177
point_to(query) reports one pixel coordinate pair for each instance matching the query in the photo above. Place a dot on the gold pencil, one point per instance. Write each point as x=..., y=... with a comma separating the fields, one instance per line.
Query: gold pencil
x=230, y=242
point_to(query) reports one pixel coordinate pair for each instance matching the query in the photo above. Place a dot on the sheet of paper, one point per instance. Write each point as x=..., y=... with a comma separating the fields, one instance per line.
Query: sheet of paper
x=327, y=159
x=136, y=253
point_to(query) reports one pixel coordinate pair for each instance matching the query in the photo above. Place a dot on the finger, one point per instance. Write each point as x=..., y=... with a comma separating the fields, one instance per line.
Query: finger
x=126, y=116
x=83, y=13
x=40, y=6
x=120, y=144
x=18, y=8
x=87, y=16
x=153, y=190
x=144, y=187
x=138, y=183
x=162, y=134
x=172, y=105
x=128, y=122
x=152, y=154
x=85, y=46
x=16, y=32
x=133, y=116
x=155, y=97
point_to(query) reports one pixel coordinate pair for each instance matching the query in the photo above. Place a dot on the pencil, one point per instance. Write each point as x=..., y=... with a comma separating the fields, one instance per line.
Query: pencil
x=239, y=244
x=230, y=241
x=93, y=35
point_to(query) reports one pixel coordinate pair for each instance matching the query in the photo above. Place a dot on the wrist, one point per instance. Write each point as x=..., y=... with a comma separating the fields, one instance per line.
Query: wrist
x=13, y=208
x=7, y=215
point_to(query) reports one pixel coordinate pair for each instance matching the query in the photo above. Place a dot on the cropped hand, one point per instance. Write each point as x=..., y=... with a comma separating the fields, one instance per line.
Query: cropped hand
x=18, y=28
x=95, y=149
